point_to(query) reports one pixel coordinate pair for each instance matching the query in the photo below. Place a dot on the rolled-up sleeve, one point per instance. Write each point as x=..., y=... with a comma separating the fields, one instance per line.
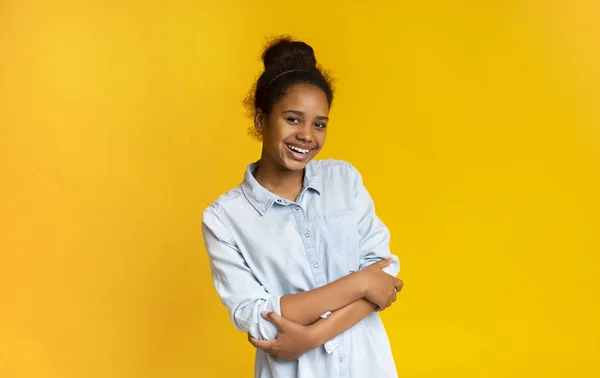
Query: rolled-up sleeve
x=240, y=292
x=373, y=233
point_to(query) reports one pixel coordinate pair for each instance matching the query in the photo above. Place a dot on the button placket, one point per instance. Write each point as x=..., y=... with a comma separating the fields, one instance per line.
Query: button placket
x=308, y=240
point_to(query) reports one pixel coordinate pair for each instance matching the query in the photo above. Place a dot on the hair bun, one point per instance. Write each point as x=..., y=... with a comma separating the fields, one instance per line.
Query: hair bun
x=286, y=53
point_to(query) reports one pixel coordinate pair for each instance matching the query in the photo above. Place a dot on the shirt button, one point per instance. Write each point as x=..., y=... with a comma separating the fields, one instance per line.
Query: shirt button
x=297, y=208
x=316, y=265
x=341, y=359
x=307, y=235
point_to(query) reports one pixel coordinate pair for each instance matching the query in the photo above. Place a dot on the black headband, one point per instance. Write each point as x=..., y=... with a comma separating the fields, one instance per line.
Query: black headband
x=283, y=73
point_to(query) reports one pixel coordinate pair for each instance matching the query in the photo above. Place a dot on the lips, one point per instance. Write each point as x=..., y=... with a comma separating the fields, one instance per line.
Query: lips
x=298, y=153
x=297, y=149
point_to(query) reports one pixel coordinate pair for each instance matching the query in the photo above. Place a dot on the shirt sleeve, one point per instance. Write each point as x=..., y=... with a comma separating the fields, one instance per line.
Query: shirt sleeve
x=374, y=235
x=240, y=292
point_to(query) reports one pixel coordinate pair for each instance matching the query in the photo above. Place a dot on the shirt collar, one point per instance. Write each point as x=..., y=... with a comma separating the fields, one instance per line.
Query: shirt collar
x=312, y=178
x=262, y=199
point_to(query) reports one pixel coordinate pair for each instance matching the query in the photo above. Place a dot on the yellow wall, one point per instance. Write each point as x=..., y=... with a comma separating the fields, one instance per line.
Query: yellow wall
x=476, y=125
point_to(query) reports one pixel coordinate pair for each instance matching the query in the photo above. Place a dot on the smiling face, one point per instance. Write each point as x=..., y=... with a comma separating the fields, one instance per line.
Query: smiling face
x=294, y=132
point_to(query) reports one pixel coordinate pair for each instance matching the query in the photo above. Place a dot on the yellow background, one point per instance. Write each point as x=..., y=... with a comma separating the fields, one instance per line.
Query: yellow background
x=476, y=125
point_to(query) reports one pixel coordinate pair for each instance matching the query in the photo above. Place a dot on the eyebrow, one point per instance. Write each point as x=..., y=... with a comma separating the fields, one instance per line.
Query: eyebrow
x=300, y=113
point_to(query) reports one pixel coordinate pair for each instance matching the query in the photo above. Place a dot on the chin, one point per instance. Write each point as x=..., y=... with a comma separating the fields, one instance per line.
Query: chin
x=294, y=165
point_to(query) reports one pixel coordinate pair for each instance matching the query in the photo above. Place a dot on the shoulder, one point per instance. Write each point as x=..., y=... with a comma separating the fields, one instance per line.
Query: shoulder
x=333, y=168
x=216, y=209
x=332, y=165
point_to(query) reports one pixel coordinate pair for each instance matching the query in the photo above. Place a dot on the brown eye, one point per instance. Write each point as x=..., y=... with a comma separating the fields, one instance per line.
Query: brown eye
x=293, y=120
x=321, y=125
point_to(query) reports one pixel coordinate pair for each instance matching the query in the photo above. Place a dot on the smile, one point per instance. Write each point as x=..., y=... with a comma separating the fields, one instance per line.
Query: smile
x=297, y=149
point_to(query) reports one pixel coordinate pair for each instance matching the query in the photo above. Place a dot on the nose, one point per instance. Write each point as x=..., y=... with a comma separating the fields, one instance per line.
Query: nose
x=305, y=134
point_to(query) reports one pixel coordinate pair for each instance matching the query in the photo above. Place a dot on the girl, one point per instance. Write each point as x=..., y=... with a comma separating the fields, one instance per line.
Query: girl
x=297, y=254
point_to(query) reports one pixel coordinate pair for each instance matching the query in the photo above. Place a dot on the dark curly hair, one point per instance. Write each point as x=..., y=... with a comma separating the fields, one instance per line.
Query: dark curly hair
x=287, y=63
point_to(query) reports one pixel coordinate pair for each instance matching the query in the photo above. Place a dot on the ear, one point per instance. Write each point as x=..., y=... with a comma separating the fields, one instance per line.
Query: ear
x=259, y=121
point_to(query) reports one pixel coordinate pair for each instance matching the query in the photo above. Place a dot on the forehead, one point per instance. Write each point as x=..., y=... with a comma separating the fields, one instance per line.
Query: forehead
x=306, y=98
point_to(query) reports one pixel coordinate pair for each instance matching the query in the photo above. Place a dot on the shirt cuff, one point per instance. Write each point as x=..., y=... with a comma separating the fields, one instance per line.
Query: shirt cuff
x=268, y=330
x=330, y=346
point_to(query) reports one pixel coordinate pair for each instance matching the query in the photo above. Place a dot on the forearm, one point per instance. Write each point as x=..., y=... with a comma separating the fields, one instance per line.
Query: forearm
x=341, y=320
x=305, y=308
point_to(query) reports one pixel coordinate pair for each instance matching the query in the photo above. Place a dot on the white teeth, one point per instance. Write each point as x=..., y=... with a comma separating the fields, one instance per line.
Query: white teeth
x=297, y=149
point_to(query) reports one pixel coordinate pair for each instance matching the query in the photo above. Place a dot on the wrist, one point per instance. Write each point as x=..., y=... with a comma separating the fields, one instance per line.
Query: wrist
x=315, y=334
x=362, y=283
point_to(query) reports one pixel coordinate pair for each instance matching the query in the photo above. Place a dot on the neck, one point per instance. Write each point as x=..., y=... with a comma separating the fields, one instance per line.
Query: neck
x=278, y=180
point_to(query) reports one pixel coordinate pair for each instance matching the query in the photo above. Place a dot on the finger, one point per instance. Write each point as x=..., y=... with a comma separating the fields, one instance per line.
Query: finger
x=261, y=344
x=398, y=285
x=392, y=300
x=272, y=352
x=290, y=357
x=274, y=318
x=383, y=263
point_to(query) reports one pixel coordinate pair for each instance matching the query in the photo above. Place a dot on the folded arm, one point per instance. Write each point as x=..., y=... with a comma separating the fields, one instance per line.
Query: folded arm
x=307, y=307
x=245, y=298
x=294, y=339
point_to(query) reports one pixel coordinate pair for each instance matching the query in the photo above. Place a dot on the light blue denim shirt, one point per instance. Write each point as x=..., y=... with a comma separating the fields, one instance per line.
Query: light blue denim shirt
x=262, y=247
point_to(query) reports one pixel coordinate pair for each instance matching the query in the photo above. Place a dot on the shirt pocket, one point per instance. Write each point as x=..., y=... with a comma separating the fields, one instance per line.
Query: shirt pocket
x=337, y=233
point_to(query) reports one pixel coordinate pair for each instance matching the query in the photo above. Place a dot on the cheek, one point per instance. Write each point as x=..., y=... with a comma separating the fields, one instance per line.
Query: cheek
x=321, y=139
x=273, y=137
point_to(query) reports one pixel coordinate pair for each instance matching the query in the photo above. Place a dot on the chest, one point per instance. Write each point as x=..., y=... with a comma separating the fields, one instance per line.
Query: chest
x=313, y=241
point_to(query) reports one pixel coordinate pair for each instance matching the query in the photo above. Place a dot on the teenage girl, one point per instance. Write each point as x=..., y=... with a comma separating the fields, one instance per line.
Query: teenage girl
x=297, y=254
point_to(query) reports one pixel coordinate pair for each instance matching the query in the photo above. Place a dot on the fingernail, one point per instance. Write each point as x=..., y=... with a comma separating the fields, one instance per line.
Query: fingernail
x=264, y=314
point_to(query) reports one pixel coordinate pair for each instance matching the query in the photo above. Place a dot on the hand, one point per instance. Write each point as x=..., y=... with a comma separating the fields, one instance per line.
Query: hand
x=293, y=340
x=381, y=287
